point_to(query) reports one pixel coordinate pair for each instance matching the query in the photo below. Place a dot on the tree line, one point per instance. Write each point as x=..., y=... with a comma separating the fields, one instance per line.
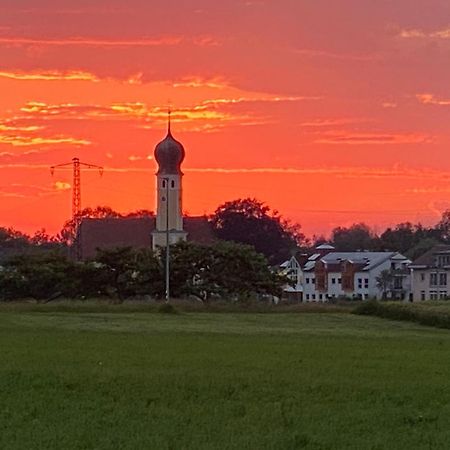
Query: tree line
x=251, y=238
x=252, y=222
x=225, y=270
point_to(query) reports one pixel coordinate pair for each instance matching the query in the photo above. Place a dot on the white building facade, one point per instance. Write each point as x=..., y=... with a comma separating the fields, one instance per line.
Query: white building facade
x=328, y=275
x=431, y=275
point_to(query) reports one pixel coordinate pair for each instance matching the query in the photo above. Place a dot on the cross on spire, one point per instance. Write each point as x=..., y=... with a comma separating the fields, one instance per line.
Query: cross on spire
x=169, y=112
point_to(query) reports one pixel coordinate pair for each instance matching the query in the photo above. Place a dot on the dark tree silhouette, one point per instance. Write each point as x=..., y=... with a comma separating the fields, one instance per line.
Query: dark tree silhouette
x=249, y=221
x=357, y=237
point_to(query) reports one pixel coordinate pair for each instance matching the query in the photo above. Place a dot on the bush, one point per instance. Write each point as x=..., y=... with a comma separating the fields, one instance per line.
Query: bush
x=409, y=313
x=167, y=308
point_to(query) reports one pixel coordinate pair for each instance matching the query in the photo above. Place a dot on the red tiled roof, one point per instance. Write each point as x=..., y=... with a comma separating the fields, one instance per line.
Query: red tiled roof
x=199, y=230
x=134, y=232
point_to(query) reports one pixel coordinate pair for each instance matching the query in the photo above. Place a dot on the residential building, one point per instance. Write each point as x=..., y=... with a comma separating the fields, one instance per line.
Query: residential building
x=431, y=274
x=292, y=269
x=328, y=274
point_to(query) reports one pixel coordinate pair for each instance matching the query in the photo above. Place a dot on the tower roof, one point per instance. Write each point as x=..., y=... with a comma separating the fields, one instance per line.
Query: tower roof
x=169, y=154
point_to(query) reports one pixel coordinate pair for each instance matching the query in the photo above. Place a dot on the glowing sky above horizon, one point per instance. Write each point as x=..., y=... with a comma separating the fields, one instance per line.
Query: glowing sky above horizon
x=330, y=111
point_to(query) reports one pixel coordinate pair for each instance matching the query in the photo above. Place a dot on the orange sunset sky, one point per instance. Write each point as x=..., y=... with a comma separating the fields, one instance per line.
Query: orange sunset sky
x=331, y=111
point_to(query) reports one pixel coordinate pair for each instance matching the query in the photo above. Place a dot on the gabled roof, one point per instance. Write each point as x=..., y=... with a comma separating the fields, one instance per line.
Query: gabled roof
x=134, y=232
x=427, y=259
x=367, y=260
x=325, y=247
x=363, y=261
x=199, y=230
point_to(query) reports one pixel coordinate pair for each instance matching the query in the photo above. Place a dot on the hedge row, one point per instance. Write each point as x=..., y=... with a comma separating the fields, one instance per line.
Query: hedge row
x=407, y=312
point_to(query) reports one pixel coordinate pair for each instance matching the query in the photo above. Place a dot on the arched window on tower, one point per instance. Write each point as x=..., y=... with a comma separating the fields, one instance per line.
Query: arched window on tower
x=163, y=183
x=172, y=184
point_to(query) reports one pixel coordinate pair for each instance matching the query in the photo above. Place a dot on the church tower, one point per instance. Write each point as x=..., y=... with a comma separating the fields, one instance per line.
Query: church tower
x=169, y=155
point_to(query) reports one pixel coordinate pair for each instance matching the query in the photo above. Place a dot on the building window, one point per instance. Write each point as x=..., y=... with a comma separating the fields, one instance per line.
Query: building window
x=360, y=283
x=172, y=183
x=293, y=276
x=307, y=280
x=313, y=296
x=163, y=183
x=433, y=295
x=443, y=261
x=320, y=297
x=366, y=283
x=433, y=279
x=422, y=295
x=313, y=280
x=333, y=281
x=442, y=279
x=307, y=296
x=422, y=277
x=443, y=295
x=340, y=280
x=398, y=283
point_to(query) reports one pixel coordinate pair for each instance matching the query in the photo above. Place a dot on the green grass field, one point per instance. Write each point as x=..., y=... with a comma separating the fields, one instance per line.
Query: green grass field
x=136, y=380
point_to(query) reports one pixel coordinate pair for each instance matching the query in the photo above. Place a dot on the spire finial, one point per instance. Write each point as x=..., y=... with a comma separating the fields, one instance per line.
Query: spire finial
x=169, y=113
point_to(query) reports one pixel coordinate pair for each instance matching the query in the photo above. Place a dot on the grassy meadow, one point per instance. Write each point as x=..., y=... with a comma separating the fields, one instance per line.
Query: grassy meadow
x=99, y=379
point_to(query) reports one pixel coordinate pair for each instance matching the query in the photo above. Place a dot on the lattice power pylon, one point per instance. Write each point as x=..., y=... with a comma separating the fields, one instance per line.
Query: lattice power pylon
x=76, y=164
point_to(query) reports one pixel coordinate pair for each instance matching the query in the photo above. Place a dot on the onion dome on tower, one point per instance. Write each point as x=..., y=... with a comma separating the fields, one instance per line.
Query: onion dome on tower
x=169, y=155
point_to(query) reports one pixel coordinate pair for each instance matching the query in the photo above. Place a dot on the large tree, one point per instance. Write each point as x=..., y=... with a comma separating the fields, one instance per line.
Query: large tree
x=357, y=237
x=406, y=236
x=443, y=227
x=421, y=247
x=384, y=282
x=252, y=222
x=126, y=272
x=39, y=276
x=225, y=270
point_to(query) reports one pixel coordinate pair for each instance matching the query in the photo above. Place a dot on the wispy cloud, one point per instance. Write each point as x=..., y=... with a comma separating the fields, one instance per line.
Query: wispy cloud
x=62, y=186
x=88, y=9
x=256, y=99
x=23, y=141
x=389, y=105
x=134, y=158
x=127, y=111
x=8, y=126
x=430, y=99
x=362, y=172
x=20, y=190
x=50, y=76
x=211, y=112
x=26, y=135
x=200, y=82
x=415, y=33
x=369, y=138
x=341, y=172
x=335, y=55
x=323, y=123
x=97, y=42
x=429, y=190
